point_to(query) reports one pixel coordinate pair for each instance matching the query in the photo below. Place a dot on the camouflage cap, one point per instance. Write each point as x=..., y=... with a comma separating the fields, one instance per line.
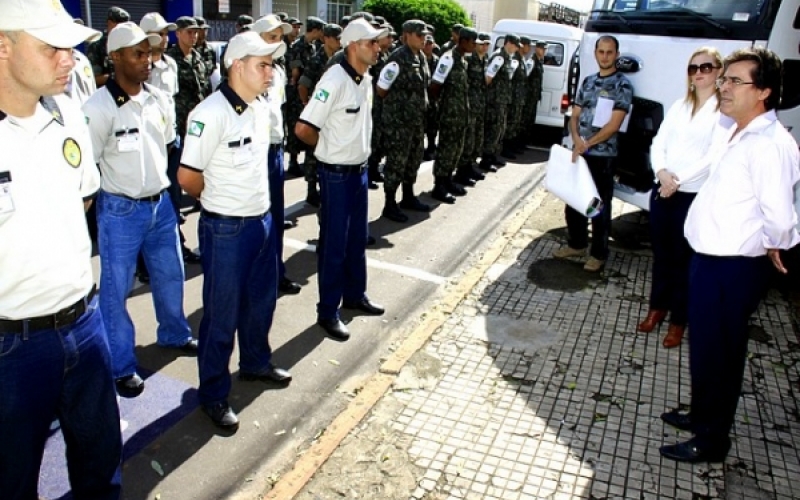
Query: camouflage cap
x=332, y=29
x=415, y=26
x=294, y=21
x=201, y=22
x=524, y=40
x=468, y=33
x=430, y=28
x=512, y=38
x=118, y=15
x=380, y=19
x=541, y=44
x=186, y=22
x=456, y=27
x=283, y=16
x=314, y=23
x=344, y=20
x=244, y=20
x=484, y=38
x=362, y=15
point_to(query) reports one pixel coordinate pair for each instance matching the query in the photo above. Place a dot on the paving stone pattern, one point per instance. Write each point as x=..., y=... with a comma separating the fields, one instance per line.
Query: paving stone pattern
x=577, y=416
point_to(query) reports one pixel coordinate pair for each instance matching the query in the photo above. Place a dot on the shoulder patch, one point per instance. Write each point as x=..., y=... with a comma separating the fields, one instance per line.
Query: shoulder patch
x=196, y=128
x=322, y=95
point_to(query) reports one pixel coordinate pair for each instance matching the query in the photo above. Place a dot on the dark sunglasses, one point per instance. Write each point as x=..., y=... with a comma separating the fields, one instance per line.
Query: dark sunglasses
x=704, y=68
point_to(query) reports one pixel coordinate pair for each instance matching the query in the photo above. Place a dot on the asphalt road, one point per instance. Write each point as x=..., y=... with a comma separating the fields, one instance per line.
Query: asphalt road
x=172, y=449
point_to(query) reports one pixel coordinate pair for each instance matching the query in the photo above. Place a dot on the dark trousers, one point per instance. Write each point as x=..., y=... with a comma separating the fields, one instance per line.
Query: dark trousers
x=342, y=260
x=723, y=293
x=277, y=176
x=671, y=254
x=602, y=170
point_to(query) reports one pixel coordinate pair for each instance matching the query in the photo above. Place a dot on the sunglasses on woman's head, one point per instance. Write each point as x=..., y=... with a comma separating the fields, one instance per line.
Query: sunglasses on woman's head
x=704, y=68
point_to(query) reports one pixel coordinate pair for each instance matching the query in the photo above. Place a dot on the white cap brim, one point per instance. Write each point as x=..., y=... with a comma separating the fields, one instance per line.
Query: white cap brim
x=153, y=39
x=265, y=25
x=375, y=34
x=65, y=35
x=275, y=50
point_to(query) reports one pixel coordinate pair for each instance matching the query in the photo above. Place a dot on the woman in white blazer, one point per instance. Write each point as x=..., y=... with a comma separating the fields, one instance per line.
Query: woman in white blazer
x=678, y=160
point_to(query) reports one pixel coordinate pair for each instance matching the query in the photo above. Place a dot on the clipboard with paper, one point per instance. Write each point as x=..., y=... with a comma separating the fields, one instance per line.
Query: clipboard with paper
x=572, y=182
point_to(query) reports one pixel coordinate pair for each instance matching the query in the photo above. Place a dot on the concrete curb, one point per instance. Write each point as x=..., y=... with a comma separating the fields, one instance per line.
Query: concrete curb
x=291, y=483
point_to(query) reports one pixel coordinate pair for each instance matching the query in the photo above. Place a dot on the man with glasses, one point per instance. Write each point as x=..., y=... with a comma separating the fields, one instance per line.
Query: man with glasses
x=740, y=220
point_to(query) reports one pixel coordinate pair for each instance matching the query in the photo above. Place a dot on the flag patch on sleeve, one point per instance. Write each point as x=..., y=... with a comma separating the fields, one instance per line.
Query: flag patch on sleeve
x=196, y=128
x=322, y=95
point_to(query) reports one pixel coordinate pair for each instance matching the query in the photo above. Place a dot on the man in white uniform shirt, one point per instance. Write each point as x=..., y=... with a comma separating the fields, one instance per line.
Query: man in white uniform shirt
x=740, y=220
x=224, y=164
x=54, y=360
x=338, y=121
x=131, y=124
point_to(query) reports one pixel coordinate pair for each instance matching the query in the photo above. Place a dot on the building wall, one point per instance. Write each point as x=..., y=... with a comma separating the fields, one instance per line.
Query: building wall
x=485, y=13
x=481, y=12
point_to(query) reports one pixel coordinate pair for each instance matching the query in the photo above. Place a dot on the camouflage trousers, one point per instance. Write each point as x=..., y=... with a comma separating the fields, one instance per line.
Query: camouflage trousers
x=376, y=141
x=515, y=127
x=494, y=128
x=529, y=117
x=473, y=139
x=310, y=165
x=432, y=124
x=293, y=108
x=452, y=135
x=403, y=148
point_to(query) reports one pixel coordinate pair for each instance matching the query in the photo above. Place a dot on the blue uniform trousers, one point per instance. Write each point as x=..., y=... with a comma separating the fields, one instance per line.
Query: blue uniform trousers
x=277, y=176
x=723, y=293
x=342, y=260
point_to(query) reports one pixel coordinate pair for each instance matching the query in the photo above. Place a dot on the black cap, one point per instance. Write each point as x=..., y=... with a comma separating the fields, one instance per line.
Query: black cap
x=244, y=20
x=283, y=16
x=294, y=21
x=201, y=22
x=313, y=22
x=457, y=27
x=415, y=26
x=184, y=22
x=118, y=15
x=541, y=44
x=512, y=38
x=524, y=40
x=468, y=33
x=332, y=29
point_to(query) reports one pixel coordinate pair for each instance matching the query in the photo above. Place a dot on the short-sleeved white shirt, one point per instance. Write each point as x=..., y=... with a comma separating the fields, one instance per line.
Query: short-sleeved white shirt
x=227, y=140
x=46, y=173
x=276, y=96
x=164, y=76
x=340, y=110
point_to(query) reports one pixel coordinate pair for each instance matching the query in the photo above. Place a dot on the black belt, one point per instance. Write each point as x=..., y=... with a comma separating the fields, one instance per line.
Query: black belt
x=343, y=169
x=214, y=215
x=274, y=147
x=150, y=199
x=64, y=317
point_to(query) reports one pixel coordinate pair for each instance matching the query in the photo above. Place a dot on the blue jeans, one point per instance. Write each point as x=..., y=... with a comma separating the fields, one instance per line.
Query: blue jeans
x=125, y=228
x=277, y=175
x=342, y=260
x=239, y=293
x=63, y=373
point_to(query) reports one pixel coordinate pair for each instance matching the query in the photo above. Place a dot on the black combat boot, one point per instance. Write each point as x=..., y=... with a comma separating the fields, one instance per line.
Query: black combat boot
x=312, y=198
x=452, y=187
x=411, y=202
x=497, y=162
x=390, y=210
x=440, y=191
x=507, y=152
x=474, y=173
x=294, y=168
x=487, y=163
x=464, y=176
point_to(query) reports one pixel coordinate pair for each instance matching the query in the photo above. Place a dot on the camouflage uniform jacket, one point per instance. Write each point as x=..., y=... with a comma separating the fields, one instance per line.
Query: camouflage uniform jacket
x=375, y=71
x=502, y=65
x=519, y=81
x=454, y=99
x=210, y=58
x=407, y=100
x=301, y=53
x=314, y=69
x=97, y=53
x=191, y=84
x=476, y=73
x=535, y=80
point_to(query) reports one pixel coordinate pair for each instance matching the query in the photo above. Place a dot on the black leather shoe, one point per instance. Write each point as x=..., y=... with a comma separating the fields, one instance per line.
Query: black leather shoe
x=689, y=452
x=682, y=421
x=393, y=213
x=498, y=162
x=288, y=224
x=487, y=166
x=286, y=285
x=371, y=240
x=271, y=374
x=475, y=175
x=372, y=185
x=129, y=386
x=190, y=347
x=190, y=257
x=463, y=177
x=366, y=306
x=454, y=188
x=335, y=329
x=313, y=198
x=442, y=194
x=414, y=204
x=222, y=415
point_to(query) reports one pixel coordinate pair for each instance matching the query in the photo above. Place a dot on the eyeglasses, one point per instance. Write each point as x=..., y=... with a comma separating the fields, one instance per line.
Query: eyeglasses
x=704, y=68
x=733, y=80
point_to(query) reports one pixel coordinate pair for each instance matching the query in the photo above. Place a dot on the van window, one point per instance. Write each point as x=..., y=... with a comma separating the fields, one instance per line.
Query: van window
x=554, y=55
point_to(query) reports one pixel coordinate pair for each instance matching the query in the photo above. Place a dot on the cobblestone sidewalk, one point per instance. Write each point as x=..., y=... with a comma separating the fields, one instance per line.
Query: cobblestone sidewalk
x=538, y=387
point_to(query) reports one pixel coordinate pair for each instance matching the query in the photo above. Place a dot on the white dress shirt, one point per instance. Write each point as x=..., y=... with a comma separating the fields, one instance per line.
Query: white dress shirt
x=682, y=142
x=747, y=204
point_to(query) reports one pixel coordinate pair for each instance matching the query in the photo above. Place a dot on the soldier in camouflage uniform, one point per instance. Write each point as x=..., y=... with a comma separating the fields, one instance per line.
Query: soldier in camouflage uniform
x=432, y=115
x=300, y=54
x=376, y=142
x=205, y=51
x=535, y=78
x=499, y=72
x=451, y=85
x=97, y=52
x=402, y=85
x=476, y=73
x=519, y=90
x=454, y=33
x=305, y=89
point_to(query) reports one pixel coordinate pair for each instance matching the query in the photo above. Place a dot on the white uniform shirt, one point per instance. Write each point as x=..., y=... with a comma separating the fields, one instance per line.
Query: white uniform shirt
x=747, y=204
x=81, y=80
x=46, y=173
x=683, y=141
x=340, y=110
x=276, y=96
x=130, y=137
x=228, y=141
x=164, y=76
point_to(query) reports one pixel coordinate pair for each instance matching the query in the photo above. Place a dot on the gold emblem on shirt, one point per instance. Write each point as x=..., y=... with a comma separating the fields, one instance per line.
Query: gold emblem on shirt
x=72, y=152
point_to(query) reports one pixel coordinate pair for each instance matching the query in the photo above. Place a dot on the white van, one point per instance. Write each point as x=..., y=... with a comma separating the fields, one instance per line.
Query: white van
x=562, y=42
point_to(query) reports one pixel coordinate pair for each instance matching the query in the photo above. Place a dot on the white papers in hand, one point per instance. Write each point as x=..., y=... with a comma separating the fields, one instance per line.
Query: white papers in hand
x=572, y=182
x=602, y=114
